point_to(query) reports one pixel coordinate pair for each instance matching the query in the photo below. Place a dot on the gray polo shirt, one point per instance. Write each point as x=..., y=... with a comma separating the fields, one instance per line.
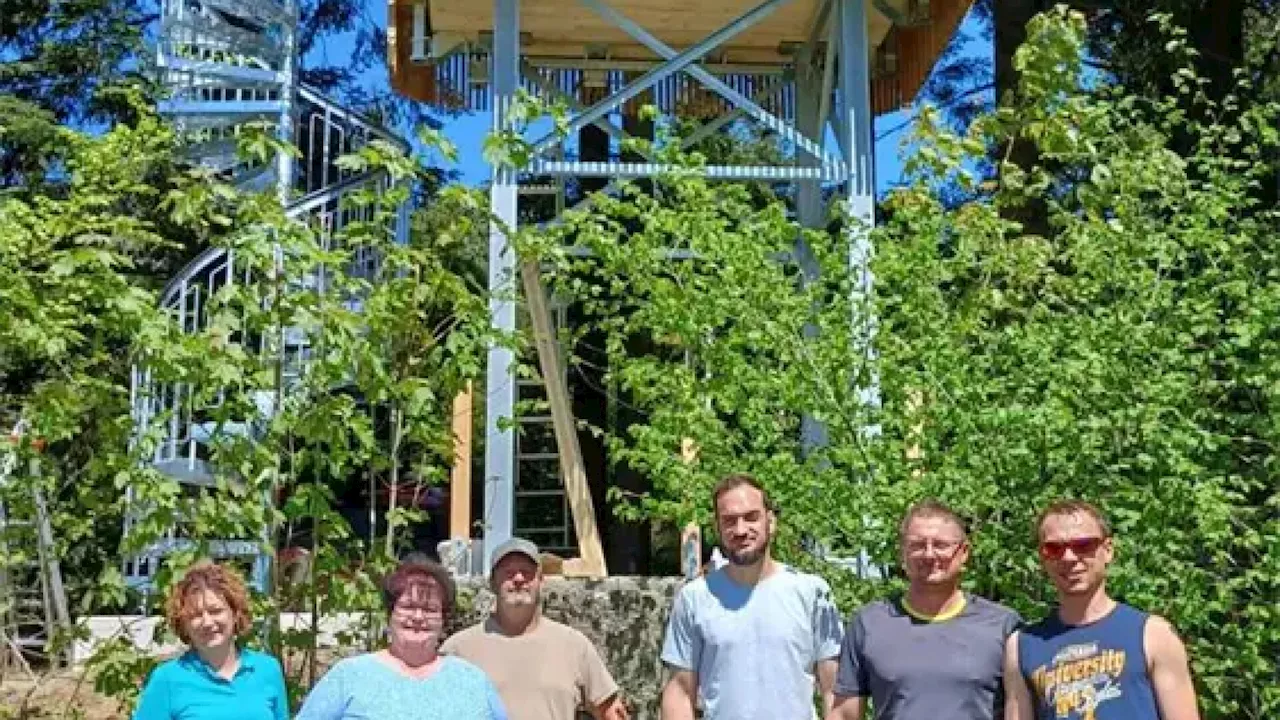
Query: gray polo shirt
x=914, y=669
x=754, y=648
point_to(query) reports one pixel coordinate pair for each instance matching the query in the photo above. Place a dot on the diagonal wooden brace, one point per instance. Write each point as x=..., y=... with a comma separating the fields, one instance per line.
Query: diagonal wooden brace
x=576, y=486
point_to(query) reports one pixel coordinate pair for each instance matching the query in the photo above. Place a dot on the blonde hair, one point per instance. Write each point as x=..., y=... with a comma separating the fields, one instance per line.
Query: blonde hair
x=930, y=508
x=1059, y=508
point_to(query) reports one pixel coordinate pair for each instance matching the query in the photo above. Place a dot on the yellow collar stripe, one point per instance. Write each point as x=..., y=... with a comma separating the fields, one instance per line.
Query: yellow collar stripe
x=940, y=617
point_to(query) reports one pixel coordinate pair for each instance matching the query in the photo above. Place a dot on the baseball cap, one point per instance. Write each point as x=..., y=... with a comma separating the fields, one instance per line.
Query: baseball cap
x=514, y=545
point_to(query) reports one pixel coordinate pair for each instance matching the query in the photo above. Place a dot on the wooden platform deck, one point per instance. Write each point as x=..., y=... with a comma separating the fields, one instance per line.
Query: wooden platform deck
x=558, y=34
x=567, y=28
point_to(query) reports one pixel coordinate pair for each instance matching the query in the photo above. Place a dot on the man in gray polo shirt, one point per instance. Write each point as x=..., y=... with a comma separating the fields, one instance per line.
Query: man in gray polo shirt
x=937, y=651
x=749, y=637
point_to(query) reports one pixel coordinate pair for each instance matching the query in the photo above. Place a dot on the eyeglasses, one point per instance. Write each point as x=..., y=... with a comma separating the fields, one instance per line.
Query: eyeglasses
x=920, y=548
x=1080, y=547
x=411, y=610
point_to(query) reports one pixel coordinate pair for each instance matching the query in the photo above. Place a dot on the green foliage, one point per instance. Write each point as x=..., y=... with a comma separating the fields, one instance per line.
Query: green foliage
x=60, y=56
x=1128, y=356
x=72, y=311
x=326, y=371
x=342, y=351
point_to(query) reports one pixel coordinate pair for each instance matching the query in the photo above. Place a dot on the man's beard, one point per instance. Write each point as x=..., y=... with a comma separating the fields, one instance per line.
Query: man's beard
x=746, y=557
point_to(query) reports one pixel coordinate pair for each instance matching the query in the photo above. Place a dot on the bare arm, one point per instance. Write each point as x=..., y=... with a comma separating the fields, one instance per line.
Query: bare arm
x=1169, y=670
x=848, y=707
x=825, y=670
x=611, y=709
x=679, y=695
x=1018, y=704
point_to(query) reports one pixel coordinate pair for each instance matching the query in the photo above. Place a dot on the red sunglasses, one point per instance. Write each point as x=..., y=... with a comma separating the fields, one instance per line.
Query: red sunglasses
x=1081, y=547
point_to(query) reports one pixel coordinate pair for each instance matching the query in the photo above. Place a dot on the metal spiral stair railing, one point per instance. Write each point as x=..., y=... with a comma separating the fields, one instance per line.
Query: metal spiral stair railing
x=228, y=63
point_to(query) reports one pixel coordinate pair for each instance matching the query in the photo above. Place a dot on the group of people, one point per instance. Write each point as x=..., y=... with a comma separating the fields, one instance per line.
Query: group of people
x=751, y=639
x=516, y=665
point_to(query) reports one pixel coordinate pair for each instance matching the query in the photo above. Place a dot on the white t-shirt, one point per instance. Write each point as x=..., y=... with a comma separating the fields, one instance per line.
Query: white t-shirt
x=754, y=648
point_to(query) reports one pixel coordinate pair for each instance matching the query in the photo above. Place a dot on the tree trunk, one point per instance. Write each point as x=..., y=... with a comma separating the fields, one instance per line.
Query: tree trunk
x=1010, y=20
x=397, y=436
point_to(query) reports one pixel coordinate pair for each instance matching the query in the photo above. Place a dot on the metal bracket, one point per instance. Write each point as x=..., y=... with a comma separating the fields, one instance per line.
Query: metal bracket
x=917, y=13
x=679, y=61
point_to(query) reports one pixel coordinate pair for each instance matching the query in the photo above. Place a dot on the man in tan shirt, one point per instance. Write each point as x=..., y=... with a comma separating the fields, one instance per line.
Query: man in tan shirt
x=543, y=670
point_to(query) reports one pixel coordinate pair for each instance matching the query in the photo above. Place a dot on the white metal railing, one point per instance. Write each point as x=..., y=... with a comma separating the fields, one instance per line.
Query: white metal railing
x=225, y=63
x=184, y=448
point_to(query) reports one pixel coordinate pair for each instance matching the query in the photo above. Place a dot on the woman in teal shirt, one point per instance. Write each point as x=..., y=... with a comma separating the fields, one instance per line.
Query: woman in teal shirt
x=215, y=679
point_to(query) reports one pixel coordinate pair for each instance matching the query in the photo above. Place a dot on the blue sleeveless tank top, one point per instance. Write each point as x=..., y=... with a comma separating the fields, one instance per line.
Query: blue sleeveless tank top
x=1088, y=672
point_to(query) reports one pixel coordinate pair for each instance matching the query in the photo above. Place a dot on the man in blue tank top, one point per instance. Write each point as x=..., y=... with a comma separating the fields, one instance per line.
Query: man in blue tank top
x=1093, y=658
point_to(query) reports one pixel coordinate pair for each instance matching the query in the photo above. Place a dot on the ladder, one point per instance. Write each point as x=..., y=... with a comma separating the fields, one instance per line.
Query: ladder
x=33, y=601
x=541, y=505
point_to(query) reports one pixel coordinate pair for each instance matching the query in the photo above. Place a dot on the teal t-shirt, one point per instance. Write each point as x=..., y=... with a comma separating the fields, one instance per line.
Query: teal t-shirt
x=186, y=688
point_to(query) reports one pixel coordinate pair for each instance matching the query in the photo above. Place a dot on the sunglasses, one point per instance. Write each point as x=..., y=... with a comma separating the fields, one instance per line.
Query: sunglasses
x=1081, y=547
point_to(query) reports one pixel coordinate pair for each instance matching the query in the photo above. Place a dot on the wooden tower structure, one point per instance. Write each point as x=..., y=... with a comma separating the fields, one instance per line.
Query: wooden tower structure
x=807, y=70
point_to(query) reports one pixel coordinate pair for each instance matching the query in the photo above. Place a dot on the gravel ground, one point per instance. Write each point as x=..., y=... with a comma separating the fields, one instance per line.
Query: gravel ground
x=63, y=695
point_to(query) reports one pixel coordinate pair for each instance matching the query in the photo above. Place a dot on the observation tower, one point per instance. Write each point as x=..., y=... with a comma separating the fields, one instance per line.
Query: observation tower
x=813, y=73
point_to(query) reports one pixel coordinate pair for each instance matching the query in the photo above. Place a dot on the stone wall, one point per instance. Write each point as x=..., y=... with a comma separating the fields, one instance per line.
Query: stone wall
x=624, y=616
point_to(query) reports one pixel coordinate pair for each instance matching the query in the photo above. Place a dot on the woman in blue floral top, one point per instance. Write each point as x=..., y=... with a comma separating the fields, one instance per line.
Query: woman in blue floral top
x=409, y=679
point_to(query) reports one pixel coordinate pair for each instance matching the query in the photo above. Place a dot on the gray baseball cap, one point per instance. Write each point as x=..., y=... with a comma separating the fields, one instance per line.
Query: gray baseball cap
x=514, y=545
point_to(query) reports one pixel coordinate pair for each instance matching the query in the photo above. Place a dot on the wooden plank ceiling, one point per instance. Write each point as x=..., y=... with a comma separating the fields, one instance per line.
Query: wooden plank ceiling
x=567, y=29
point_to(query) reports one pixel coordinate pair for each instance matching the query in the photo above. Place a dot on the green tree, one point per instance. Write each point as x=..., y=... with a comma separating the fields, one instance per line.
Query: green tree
x=74, y=306
x=361, y=343
x=358, y=342
x=1126, y=354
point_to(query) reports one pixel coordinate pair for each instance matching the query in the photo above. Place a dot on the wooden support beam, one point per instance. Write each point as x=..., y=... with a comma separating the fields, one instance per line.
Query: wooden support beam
x=691, y=536
x=460, y=478
x=691, y=551
x=915, y=410
x=590, y=551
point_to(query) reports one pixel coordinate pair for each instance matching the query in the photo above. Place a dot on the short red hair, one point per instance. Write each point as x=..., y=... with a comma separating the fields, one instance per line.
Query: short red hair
x=223, y=581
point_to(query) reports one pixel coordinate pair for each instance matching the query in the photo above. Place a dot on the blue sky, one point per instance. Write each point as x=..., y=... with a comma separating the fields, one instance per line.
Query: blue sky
x=468, y=131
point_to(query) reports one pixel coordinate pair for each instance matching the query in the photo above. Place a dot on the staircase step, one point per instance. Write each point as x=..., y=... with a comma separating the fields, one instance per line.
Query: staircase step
x=188, y=471
x=218, y=155
x=234, y=108
x=31, y=643
x=222, y=70
x=260, y=12
x=217, y=548
x=206, y=432
x=255, y=179
x=196, y=29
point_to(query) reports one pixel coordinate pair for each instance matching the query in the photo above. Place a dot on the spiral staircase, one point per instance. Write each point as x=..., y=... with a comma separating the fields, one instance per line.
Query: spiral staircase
x=227, y=65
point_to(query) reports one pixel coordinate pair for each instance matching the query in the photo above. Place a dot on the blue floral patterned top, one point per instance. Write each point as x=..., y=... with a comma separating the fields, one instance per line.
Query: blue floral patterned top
x=366, y=688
